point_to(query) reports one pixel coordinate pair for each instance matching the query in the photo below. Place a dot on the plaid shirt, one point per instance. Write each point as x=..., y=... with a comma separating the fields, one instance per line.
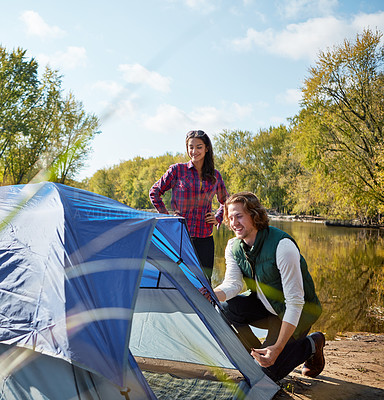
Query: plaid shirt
x=188, y=199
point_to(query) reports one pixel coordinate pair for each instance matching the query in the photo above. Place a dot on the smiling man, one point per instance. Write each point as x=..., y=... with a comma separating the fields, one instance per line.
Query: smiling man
x=281, y=294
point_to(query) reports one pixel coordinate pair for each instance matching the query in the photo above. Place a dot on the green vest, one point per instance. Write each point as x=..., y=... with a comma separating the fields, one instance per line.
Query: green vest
x=269, y=278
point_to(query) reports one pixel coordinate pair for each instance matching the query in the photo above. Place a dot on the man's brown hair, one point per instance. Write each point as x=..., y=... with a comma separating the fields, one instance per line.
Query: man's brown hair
x=252, y=206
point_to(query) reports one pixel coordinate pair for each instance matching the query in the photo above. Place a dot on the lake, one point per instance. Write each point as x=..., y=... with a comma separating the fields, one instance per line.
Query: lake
x=347, y=266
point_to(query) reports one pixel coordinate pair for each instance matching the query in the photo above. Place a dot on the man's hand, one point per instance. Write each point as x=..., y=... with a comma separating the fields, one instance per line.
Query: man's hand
x=218, y=292
x=205, y=292
x=266, y=357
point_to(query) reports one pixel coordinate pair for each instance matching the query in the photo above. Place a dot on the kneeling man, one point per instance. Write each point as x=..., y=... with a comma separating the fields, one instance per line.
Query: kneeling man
x=281, y=296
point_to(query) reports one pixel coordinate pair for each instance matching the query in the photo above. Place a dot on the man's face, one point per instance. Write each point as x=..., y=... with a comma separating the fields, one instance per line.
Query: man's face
x=241, y=223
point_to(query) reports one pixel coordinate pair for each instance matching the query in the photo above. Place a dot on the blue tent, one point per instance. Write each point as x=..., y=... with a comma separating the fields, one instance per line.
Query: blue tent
x=93, y=284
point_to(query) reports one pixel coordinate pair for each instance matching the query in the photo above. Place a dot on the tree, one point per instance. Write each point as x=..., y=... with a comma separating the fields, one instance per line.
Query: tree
x=340, y=127
x=102, y=183
x=76, y=129
x=129, y=181
x=234, y=160
x=39, y=130
x=19, y=94
x=275, y=166
x=259, y=163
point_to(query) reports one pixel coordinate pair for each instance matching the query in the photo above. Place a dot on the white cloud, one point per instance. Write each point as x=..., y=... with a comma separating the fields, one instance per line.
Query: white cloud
x=137, y=74
x=305, y=8
x=290, y=96
x=120, y=109
x=242, y=111
x=116, y=101
x=305, y=40
x=247, y=7
x=36, y=26
x=126, y=108
x=210, y=116
x=110, y=88
x=169, y=119
x=371, y=21
x=72, y=58
x=204, y=6
x=296, y=41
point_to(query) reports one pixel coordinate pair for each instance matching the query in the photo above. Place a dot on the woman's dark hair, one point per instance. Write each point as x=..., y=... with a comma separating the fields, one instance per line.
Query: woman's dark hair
x=208, y=170
x=252, y=206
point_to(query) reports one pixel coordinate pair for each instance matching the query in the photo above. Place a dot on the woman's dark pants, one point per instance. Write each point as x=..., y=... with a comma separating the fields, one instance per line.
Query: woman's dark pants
x=205, y=249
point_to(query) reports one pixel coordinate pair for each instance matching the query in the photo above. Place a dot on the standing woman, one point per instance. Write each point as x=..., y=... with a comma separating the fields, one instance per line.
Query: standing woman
x=194, y=184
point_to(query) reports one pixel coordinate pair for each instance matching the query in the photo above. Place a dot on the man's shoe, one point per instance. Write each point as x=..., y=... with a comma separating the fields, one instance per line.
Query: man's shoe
x=315, y=364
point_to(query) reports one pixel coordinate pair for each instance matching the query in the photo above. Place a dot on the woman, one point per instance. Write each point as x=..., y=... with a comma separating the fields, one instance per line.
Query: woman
x=194, y=184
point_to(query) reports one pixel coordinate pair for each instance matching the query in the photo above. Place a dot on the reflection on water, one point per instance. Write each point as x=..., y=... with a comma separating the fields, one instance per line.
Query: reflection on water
x=347, y=265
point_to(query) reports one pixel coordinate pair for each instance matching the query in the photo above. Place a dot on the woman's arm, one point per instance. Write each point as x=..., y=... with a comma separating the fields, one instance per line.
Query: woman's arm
x=160, y=187
x=222, y=195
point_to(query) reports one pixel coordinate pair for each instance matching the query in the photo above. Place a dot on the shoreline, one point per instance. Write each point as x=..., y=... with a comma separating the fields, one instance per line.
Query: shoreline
x=309, y=218
x=322, y=220
x=354, y=369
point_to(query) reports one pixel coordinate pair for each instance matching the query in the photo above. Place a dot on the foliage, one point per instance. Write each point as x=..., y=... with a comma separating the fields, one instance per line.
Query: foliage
x=262, y=163
x=129, y=182
x=340, y=129
x=75, y=131
x=233, y=159
x=39, y=130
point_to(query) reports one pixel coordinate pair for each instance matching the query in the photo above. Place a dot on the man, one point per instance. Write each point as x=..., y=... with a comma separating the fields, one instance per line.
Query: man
x=281, y=296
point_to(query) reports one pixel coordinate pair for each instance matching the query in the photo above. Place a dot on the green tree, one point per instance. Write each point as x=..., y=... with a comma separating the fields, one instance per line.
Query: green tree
x=234, y=160
x=75, y=132
x=263, y=163
x=275, y=166
x=340, y=128
x=39, y=130
x=40, y=134
x=102, y=182
x=19, y=95
x=129, y=181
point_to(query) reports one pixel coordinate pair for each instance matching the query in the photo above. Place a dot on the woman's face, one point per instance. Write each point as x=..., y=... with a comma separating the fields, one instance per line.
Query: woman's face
x=196, y=149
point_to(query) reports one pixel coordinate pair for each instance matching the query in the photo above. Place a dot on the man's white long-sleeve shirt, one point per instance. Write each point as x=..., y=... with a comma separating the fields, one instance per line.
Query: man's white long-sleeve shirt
x=288, y=264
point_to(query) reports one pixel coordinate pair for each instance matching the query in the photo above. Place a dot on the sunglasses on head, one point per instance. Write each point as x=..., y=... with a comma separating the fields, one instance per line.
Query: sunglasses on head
x=195, y=134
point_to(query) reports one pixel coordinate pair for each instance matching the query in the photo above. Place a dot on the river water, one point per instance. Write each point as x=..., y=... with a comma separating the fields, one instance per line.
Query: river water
x=347, y=266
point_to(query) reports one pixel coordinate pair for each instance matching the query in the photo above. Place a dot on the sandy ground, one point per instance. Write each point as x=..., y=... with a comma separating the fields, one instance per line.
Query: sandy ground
x=354, y=370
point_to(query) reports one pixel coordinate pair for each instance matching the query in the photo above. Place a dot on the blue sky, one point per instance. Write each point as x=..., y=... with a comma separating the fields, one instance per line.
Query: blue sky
x=154, y=69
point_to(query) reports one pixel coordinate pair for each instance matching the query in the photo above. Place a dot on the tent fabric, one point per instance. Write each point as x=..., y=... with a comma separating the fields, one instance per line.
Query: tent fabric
x=42, y=377
x=76, y=271
x=168, y=314
x=38, y=297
